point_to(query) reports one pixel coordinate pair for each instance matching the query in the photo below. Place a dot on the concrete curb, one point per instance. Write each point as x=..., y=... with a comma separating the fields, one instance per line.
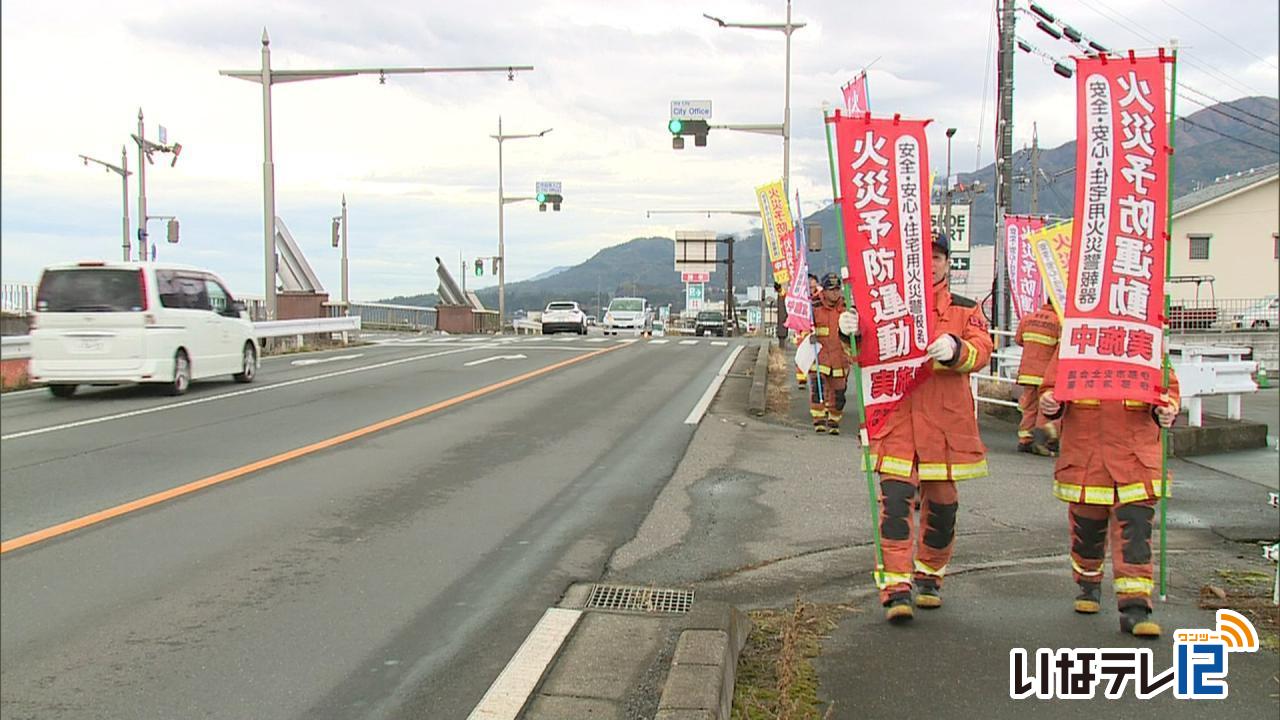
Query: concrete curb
x=699, y=685
x=759, y=382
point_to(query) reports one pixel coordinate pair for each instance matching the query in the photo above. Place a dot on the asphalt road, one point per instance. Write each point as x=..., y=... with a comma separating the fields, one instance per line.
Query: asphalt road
x=331, y=567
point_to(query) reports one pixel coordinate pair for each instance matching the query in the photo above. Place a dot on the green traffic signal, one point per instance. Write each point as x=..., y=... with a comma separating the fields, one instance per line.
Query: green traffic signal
x=542, y=197
x=675, y=126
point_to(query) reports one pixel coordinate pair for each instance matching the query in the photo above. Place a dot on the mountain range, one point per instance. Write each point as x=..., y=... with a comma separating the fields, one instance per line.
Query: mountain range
x=1220, y=140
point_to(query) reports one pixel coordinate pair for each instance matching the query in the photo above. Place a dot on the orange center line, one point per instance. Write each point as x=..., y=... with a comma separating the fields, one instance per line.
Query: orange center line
x=165, y=495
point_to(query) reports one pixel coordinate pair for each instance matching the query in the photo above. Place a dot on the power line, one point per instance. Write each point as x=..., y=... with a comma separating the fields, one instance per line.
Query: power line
x=986, y=83
x=1195, y=124
x=1211, y=108
x=1178, y=10
x=1242, y=111
x=1132, y=27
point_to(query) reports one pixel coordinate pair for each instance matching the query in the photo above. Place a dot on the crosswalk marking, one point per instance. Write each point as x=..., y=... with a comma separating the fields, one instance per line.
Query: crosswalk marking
x=597, y=340
x=659, y=342
x=688, y=342
x=719, y=343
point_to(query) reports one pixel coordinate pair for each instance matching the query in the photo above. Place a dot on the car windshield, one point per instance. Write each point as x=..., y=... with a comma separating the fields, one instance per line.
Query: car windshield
x=703, y=316
x=90, y=290
x=626, y=305
x=561, y=306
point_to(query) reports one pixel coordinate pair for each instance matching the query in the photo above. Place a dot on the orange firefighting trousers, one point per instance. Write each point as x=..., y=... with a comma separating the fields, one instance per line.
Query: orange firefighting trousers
x=1032, y=418
x=1128, y=528
x=826, y=399
x=915, y=547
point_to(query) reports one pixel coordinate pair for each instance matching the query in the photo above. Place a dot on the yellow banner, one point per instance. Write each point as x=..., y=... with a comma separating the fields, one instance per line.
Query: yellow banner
x=1051, y=247
x=779, y=234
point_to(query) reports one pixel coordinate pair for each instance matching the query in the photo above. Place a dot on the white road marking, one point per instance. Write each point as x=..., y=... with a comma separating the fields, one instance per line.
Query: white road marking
x=719, y=343
x=695, y=415
x=659, y=342
x=495, y=357
x=568, y=338
x=628, y=341
x=597, y=340
x=223, y=396
x=335, y=358
x=508, y=694
x=688, y=342
x=474, y=339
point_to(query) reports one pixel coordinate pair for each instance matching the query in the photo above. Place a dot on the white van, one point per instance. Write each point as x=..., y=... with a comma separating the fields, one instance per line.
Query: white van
x=106, y=323
x=629, y=315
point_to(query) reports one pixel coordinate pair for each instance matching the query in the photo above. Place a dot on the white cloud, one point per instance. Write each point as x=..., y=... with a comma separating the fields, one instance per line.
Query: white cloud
x=414, y=156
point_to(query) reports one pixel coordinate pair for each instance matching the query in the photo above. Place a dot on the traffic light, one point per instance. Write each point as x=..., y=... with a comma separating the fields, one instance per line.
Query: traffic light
x=172, y=232
x=337, y=223
x=679, y=128
x=553, y=198
x=495, y=265
x=479, y=267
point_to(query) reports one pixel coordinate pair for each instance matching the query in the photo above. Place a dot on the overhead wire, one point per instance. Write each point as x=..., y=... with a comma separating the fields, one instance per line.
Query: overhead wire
x=1233, y=108
x=1131, y=25
x=1219, y=111
x=986, y=84
x=1193, y=123
x=1246, y=50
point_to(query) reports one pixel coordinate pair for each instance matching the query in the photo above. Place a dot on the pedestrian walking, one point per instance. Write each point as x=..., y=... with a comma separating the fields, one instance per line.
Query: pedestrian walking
x=830, y=374
x=929, y=442
x=1038, y=335
x=1109, y=473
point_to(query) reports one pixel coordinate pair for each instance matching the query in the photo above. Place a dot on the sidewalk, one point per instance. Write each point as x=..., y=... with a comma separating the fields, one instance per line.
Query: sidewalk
x=761, y=512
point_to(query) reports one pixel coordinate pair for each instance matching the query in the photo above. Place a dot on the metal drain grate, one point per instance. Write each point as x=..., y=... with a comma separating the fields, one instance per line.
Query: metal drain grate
x=626, y=598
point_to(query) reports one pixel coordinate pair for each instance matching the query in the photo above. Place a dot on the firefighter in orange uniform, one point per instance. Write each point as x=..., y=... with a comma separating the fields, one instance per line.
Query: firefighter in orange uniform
x=1109, y=473
x=815, y=291
x=829, y=377
x=929, y=442
x=1038, y=335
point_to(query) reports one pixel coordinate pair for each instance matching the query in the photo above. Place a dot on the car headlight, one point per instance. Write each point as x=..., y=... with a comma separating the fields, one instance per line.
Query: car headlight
x=608, y=317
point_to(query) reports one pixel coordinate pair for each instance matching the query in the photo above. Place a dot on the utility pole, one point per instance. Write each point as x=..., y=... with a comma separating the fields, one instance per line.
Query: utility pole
x=731, y=309
x=1004, y=161
x=142, y=189
x=1035, y=171
x=463, y=264
x=502, y=204
x=346, y=307
x=268, y=77
x=123, y=171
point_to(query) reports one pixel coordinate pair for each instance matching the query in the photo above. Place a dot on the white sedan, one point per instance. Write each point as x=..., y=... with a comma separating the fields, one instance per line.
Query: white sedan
x=564, y=316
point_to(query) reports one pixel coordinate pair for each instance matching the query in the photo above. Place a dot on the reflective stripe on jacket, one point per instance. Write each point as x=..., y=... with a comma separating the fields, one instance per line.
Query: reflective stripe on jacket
x=833, y=348
x=935, y=424
x=1038, y=335
x=1110, y=450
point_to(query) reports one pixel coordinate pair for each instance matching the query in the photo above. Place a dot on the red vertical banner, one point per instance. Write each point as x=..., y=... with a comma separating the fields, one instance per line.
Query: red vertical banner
x=1112, y=325
x=1024, y=277
x=884, y=205
x=856, y=100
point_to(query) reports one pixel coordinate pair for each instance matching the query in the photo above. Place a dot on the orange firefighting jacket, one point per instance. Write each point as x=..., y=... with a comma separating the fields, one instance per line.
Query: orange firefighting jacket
x=1110, y=449
x=1038, y=335
x=834, y=357
x=935, y=424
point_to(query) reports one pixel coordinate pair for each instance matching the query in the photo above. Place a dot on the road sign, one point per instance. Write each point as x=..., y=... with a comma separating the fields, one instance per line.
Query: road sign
x=549, y=187
x=959, y=226
x=960, y=262
x=693, y=297
x=695, y=251
x=695, y=277
x=691, y=109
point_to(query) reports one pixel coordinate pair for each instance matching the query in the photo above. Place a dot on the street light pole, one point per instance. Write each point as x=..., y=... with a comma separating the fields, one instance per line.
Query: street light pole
x=123, y=171
x=786, y=29
x=946, y=205
x=267, y=77
x=502, y=204
x=142, y=189
x=346, y=307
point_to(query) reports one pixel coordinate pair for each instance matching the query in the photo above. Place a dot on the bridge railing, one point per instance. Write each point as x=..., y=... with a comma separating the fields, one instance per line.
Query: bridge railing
x=382, y=316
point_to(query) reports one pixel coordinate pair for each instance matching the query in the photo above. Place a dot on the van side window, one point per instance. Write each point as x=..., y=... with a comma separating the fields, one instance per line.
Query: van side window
x=219, y=298
x=182, y=291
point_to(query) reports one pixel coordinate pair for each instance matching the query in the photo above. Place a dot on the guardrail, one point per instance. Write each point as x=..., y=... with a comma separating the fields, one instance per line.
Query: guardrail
x=18, y=298
x=15, y=347
x=1225, y=373
x=1224, y=314
x=383, y=316
x=526, y=327
x=1010, y=357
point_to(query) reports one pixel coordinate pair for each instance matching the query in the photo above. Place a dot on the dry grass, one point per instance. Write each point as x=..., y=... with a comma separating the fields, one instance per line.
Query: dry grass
x=1249, y=593
x=780, y=378
x=776, y=677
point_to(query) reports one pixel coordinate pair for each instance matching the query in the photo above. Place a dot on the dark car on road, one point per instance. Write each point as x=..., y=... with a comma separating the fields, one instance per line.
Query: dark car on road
x=709, y=322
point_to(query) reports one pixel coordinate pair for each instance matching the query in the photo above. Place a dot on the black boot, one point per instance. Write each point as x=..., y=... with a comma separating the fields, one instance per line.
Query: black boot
x=1136, y=620
x=927, y=593
x=898, y=609
x=1088, y=601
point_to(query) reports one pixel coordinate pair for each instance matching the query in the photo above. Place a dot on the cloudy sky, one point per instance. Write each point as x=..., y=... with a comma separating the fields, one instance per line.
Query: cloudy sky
x=414, y=156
